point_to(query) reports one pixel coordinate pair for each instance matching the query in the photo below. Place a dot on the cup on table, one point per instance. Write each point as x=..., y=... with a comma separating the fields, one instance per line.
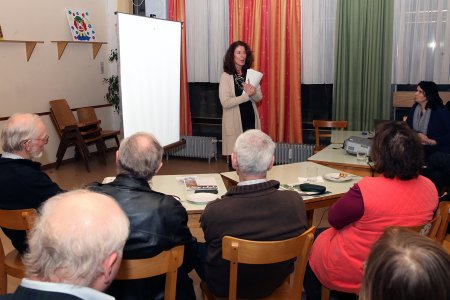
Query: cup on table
x=311, y=173
x=361, y=156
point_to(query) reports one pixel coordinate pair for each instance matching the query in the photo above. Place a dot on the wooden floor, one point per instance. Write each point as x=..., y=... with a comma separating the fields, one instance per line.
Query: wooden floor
x=73, y=175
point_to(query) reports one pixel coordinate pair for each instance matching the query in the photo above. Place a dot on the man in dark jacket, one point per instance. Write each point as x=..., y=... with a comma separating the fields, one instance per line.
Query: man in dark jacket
x=22, y=182
x=256, y=210
x=157, y=221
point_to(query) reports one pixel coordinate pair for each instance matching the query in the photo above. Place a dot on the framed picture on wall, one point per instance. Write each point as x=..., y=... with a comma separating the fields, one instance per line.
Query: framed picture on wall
x=80, y=25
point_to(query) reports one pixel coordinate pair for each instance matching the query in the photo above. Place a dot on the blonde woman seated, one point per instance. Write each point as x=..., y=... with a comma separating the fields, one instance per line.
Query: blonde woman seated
x=404, y=265
x=398, y=197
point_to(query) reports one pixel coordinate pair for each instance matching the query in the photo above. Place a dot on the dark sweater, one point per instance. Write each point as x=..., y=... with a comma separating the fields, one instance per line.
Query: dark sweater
x=23, y=185
x=256, y=212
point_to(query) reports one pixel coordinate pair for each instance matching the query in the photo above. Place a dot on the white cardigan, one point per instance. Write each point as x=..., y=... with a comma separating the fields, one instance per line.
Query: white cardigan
x=231, y=117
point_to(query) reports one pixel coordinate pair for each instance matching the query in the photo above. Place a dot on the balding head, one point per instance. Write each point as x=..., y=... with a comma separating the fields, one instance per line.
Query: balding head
x=78, y=236
x=139, y=155
x=24, y=134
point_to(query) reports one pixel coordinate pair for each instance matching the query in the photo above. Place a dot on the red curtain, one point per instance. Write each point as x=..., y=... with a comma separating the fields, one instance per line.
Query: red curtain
x=272, y=29
x=177, y=12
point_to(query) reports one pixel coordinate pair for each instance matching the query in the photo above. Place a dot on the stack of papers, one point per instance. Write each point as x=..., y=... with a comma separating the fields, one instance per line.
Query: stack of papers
x=254, y=77
x=195, y=183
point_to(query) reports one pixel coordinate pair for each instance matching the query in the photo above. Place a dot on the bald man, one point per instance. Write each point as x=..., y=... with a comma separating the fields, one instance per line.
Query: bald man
x=75, y=248
x=22, y=182
x=158, y=221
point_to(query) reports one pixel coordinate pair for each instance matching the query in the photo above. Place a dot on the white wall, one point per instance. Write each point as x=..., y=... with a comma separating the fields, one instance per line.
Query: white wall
x=29, y=86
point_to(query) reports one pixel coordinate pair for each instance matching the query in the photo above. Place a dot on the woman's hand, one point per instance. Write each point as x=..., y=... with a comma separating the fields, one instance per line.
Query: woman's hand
x=248, y=88
x=426, y=140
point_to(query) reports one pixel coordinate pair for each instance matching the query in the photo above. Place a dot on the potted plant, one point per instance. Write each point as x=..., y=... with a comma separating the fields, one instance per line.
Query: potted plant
x=112, y=96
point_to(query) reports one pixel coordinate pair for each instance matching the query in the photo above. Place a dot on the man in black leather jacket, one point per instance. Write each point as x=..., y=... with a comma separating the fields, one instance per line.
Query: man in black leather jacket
x=157, y=221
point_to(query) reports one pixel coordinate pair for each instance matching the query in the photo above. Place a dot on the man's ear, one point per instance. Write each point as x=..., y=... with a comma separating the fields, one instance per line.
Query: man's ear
x=25, y=145
x=271, y=163
x=157, y=170
x=109, y=270
x=234, y=162
x=117, y=157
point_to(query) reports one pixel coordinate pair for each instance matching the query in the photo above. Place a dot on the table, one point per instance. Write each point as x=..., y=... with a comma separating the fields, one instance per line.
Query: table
x=289, y=174
x=169, y=185
x=336, y=157
x=339, y=136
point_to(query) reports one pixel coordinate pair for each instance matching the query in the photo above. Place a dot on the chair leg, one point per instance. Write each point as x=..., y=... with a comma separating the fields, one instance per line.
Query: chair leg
x=101, y=149
x=3, y=278
x=325, y=293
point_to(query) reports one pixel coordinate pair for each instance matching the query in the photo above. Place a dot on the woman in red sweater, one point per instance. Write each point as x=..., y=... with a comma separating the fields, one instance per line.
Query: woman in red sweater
x=398, y=197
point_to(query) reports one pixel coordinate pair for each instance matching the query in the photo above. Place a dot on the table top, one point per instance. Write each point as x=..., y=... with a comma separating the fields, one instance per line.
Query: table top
x=339, y=136
x=290, y=173
x=168, y=184
x=335, y=153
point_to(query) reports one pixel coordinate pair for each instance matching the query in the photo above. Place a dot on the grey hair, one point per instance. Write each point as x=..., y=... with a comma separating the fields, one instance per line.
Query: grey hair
x=74, y=249
x=254, y=152
x=140, y=155
x=19, y=127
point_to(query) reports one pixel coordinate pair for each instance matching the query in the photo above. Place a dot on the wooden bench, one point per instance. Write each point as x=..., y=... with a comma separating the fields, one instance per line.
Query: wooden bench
x=406, y=99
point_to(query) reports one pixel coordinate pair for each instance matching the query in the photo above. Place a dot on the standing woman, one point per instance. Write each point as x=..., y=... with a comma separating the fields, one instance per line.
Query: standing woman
x=239, y=108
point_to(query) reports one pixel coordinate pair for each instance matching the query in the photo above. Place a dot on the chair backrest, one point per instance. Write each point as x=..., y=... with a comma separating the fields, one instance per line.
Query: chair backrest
x=443, y=211
x=326, y=124
x=255, y=252
x=167, y=262
x=22, y=219
x=86, y=114
x=428, y=229
x=61, y=114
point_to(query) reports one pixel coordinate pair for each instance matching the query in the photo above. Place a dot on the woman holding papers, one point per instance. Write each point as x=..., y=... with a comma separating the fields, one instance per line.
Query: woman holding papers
x=238, y=95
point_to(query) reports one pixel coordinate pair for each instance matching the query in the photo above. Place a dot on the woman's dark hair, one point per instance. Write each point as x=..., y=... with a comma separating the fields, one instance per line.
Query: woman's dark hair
x=397, y=151
x=430, y=91
x=403, y=265
x=228, y=60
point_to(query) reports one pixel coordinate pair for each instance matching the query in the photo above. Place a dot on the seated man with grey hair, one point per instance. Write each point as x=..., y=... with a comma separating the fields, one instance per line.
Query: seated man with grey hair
x=22, y=182
x=158, y=221
x=75, y=248
x=256, y=210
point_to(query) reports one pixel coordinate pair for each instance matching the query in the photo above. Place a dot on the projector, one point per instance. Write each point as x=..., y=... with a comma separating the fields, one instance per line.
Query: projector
x=355, y=144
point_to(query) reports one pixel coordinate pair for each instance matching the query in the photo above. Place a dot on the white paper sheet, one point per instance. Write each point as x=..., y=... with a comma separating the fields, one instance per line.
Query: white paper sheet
x=254, y=77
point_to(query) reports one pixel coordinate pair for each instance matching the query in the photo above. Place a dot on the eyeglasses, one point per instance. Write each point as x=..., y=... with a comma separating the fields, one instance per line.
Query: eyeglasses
x=44, y=139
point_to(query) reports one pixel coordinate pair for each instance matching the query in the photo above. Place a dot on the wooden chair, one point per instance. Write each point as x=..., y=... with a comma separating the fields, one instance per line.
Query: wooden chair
x=73, y=133
x=167, y=262
x=87, y=115
x=11, y=263
x=254, y=252
x=428, y=229
x=443, y=211
x=318, y=124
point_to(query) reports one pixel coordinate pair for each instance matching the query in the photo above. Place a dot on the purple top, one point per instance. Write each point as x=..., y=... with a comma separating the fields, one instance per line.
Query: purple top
x=348, y=209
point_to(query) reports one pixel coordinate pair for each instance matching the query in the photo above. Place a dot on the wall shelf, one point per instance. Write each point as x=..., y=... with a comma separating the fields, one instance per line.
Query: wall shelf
x=63, y=44
x=29, y=45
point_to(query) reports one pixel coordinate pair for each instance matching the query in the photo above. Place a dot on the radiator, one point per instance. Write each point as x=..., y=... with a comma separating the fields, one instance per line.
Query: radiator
x=195, y=147
x=291, y=153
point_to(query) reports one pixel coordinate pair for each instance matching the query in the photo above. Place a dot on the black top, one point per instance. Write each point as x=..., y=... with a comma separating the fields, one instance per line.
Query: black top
x=246, y=108
x=23, y=185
